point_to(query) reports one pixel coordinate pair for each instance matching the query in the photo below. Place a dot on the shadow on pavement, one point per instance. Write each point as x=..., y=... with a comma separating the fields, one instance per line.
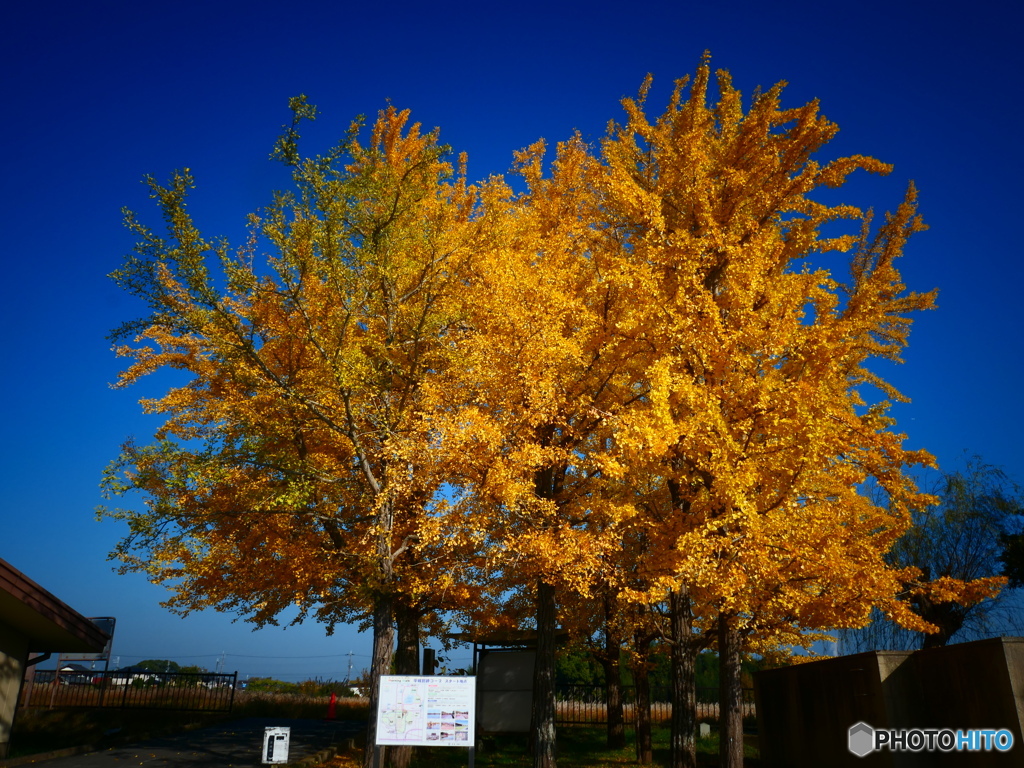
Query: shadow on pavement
x=235, y=744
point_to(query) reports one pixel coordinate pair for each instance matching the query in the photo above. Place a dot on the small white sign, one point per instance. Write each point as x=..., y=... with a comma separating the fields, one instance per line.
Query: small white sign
x=275, y=745
x=426, y=711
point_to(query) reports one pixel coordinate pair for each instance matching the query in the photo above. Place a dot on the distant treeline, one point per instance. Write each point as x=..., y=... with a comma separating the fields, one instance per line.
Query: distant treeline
x=578, y=667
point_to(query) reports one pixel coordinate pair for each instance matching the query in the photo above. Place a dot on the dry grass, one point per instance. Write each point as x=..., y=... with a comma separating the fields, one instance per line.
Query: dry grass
x=297, y=706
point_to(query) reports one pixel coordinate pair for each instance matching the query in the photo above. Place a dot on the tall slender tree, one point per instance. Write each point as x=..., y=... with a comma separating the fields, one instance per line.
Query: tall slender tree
x=545, y=376
x=962, y=537
x=759, y=413
x=291, y=468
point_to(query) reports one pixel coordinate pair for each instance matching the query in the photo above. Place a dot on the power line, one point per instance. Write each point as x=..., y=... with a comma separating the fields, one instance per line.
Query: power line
x=243, y=656
x=332, y=656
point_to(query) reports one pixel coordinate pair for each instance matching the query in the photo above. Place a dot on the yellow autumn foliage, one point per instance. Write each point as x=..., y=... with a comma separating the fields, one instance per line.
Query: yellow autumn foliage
x=648, y=372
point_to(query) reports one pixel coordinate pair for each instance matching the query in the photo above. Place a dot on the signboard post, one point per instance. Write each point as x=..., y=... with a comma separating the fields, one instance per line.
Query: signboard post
x=426, y=711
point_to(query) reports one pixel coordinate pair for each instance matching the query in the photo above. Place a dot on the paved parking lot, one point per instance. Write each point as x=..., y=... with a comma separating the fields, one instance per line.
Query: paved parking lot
x=237, y=744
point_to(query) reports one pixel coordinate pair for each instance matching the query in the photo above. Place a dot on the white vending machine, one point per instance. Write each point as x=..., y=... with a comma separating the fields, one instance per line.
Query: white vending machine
x=275, y=746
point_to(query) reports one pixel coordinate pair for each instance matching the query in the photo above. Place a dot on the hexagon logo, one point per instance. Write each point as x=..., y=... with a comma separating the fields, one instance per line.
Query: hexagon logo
x=861, y=739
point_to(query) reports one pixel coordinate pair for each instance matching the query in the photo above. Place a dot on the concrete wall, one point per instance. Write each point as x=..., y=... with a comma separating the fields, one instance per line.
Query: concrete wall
x=13, y=654
x=805, y=711
x=973, y=685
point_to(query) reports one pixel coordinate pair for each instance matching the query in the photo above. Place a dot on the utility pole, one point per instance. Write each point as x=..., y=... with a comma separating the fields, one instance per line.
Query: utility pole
x=348, y=677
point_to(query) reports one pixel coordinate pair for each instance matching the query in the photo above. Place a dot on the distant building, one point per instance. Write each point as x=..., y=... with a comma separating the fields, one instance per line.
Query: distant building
x=131, y=675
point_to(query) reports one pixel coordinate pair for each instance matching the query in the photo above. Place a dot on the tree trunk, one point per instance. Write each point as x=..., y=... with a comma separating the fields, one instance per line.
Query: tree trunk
x=407, y=662
x=407, y=655
x=380, y=664
x=683, y=749
x=730, y=708
x=613, y=679
x=642, y=683
x=543, y=710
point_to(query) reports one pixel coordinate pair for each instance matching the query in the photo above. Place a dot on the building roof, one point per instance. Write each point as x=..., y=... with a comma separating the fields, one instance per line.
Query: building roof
x=50, y=624
x=506, y=637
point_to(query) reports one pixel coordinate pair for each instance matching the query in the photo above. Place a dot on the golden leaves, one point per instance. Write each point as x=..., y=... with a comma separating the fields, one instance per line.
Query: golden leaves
x=634, y=373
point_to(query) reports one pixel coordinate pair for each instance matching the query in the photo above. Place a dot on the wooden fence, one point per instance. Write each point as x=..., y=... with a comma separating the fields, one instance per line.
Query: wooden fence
x=585, y=704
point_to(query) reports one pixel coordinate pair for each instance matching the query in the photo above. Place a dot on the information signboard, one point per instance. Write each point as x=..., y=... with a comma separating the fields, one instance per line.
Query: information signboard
x=426, y=711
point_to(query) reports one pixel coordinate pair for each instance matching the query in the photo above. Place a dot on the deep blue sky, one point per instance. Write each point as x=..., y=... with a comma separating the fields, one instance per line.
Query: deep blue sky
x=96, y=95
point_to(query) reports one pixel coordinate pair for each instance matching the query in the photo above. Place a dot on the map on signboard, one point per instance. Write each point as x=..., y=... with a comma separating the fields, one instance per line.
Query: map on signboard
x=427, y=711
x=403, y=712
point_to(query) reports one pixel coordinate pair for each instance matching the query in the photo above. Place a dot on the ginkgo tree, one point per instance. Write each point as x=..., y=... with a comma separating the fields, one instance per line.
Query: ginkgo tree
x=541, y=375
x=291, y=469
x=760, y=417
x=642, y=381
